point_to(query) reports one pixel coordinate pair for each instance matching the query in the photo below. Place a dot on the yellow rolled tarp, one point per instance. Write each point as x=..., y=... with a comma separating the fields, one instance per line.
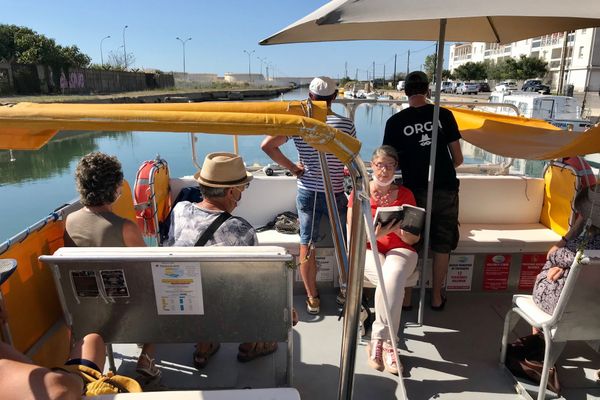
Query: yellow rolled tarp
x=29, y=126
x=526, y=138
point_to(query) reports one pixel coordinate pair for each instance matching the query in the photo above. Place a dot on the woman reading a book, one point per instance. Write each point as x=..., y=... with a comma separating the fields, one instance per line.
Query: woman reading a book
x=398, y=257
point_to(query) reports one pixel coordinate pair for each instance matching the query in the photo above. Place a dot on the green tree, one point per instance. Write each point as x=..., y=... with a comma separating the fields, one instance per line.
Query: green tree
x=447, y=74
x=429, y=66
x=532, y=67
x=471, y=71
x=23, y=45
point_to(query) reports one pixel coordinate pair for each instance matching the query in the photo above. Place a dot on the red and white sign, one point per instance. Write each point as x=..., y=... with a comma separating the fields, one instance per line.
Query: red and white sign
x=496, y=270
x=531, y=265
x=460, y=272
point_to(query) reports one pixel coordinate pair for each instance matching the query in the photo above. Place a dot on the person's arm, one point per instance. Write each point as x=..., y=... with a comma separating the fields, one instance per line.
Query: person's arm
x=573, y=232
x=132, y=237
x=407, y=237
x=456, y=153
x=271, y=144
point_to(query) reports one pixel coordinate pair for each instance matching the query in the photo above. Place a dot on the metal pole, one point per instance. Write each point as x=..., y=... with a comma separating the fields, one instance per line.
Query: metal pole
x=249, y=64
x=101, y=54
x=394, y=77
x=561, y=71
x=124, y=48
x=359, y=175
x=408, y=63
x=183, y=45
x=432, y=154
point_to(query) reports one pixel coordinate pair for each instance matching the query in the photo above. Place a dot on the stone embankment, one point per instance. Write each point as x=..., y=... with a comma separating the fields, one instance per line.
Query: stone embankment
x=156, y=96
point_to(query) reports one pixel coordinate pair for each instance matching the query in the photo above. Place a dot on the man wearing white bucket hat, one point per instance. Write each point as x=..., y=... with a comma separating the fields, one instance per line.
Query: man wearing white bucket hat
x=310, y=200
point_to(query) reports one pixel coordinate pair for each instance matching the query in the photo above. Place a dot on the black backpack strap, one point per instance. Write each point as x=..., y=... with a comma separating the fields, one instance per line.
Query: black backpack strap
x=210, y=231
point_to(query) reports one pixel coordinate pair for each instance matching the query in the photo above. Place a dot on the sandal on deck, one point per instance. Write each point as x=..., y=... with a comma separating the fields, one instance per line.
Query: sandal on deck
x=250, y=351
x=147, y=367
x=201, y=357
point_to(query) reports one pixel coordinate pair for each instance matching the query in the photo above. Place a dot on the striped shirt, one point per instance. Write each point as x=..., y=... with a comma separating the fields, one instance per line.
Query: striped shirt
x=312, y=179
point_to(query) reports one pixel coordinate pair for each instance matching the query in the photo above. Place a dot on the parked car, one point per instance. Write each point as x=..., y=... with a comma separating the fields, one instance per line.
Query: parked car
x=467, y=88
x=535, y=85
x=484, y=87
x=447, y=86
x=506, y=86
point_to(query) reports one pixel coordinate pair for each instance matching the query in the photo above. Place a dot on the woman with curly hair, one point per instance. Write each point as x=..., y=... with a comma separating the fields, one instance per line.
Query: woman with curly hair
x=99, y=180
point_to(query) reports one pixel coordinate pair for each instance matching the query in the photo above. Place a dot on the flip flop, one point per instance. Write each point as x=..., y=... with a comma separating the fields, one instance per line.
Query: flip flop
x=257, y=349
x=200, y=359
x=7, y=267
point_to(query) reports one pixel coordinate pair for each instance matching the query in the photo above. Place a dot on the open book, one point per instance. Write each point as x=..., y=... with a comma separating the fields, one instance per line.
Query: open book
x=413, y=218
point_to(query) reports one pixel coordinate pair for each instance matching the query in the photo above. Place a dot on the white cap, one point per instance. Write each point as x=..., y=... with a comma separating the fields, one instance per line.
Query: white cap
x=322, y=86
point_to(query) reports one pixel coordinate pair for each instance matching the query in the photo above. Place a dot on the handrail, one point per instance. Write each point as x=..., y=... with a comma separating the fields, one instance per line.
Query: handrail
x=351, y=104
x=36, y=226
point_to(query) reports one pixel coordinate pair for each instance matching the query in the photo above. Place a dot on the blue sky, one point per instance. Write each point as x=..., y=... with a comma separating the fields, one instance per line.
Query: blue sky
x=220, y=30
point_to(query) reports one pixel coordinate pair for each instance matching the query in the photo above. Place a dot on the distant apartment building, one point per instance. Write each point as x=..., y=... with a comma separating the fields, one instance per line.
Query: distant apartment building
x=582, y=58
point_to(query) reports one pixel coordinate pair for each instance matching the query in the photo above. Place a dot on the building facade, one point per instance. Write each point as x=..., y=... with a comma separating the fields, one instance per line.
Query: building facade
x=582, y=57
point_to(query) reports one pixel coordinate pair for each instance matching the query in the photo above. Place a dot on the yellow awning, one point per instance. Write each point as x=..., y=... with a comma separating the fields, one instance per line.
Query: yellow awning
x=526, y=138
x=28, y=126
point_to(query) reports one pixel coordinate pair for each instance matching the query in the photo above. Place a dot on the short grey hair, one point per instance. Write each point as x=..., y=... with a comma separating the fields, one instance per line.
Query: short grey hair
x=212, y=192
x=386, y=151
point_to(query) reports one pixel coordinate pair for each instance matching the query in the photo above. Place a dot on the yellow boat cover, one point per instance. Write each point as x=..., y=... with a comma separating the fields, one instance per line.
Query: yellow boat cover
x=28, y=126
x=520, y=137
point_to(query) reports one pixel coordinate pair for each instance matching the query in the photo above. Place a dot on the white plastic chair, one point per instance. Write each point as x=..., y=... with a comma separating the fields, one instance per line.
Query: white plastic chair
x=576, y=316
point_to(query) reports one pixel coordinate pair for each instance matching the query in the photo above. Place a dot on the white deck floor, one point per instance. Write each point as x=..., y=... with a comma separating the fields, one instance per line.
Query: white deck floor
x=453, y=356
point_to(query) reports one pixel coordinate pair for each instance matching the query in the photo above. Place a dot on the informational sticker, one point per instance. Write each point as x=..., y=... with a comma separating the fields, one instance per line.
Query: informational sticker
x=495, y=272
x=531, y=265
x=326, y=265
x=178, y=288
x=85, y=284
x=114, y=283
x=460, y=272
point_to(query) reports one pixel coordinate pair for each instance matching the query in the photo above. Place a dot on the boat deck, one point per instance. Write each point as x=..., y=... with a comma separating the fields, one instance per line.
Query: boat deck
x=453, y=356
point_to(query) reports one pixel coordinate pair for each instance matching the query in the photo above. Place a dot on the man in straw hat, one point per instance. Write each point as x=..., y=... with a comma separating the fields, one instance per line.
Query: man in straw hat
x=222, y=180
x=310, y=200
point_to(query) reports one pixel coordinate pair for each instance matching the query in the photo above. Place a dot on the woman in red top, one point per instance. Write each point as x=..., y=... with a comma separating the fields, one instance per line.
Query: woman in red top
x=398, y=257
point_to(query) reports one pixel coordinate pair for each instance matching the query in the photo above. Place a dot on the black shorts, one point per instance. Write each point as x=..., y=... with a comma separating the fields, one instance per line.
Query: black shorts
x=444, y=234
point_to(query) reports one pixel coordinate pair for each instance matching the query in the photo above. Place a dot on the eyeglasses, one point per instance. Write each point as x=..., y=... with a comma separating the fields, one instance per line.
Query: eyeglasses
x=387, y=166
x=243, y=187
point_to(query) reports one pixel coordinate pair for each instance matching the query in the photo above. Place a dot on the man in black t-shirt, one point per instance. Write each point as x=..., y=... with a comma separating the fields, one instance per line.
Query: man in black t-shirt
x=409, y=132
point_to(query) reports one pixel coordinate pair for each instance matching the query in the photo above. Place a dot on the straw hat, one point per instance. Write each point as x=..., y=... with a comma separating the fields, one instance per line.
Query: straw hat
x=223, y=170
x=7, y=267
x=589, y=199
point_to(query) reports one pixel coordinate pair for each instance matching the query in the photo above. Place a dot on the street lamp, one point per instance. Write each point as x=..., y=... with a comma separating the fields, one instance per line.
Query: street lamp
x=124, y=48
x=183, y=44
x=262, y=60
x=249, y=64
x=101, y=55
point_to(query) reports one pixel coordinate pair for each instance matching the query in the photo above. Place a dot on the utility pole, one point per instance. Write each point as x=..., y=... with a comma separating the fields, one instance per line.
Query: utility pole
x=356, y=75
x=561, y=73
x=408, y=63
x=183, y=42
x=383, y=74
x=346, y=69
x=249, y=64
x=124, y=49
x=394, y=77
x=435, y=61
x=373, y=73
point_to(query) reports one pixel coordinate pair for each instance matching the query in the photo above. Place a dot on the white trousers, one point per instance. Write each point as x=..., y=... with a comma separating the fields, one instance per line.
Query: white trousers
x=397, y=265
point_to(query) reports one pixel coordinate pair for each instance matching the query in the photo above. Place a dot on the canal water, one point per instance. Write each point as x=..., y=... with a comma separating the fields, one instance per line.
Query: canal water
x=35, y=183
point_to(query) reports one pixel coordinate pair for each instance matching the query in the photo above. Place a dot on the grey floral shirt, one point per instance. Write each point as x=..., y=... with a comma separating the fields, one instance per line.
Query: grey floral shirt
x=188, y=222
x=546, y=292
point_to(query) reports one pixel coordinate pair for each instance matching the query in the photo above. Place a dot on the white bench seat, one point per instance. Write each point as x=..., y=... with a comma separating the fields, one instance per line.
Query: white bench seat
x=273, y=238
x=509, y=238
